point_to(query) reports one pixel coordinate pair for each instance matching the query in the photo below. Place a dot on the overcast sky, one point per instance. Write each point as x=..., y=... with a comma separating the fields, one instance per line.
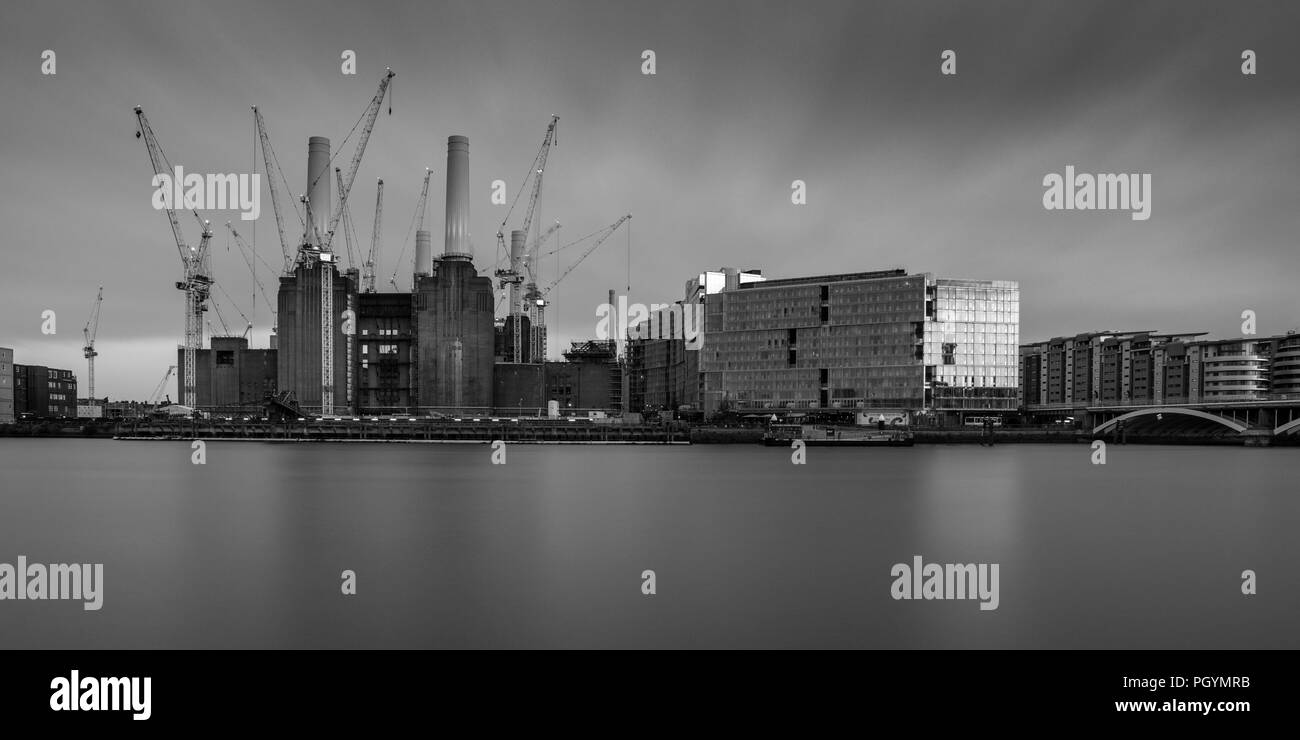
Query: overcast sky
x=904, y=167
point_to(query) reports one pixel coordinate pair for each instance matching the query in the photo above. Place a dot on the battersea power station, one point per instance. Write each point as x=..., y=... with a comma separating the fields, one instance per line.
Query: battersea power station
x=341, y=348
x=432, y=347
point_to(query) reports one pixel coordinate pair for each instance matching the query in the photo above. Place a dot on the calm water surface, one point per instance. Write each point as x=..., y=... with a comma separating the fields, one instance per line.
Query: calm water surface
x=749, y=550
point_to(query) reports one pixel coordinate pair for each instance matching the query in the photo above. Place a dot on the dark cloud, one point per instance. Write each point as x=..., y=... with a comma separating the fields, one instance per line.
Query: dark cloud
x=904, y=167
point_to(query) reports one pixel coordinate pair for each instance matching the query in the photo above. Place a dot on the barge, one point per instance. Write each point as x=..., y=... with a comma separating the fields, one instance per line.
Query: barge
x=825, y=435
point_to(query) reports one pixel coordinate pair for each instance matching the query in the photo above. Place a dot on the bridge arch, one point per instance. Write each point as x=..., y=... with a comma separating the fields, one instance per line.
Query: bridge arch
x=1287, y=427
x=1233, y=425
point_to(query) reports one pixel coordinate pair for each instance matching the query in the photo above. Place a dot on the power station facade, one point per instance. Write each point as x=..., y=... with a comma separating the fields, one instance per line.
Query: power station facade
x=432, y=349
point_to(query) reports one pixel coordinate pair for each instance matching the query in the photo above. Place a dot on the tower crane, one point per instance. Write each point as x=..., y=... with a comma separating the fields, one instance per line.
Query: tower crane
x=372, y=112
x=197, y=280
x=533, y=248
x=244, y=251
x=157, y=392
x=512, y=277
x=368, y=269
x=417, y=224
x=537, y=298
x=88, y=351
x=349, y=231
x=273, y=168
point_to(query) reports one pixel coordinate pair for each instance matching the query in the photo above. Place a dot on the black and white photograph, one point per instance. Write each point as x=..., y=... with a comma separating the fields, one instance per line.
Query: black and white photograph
x=336, y=334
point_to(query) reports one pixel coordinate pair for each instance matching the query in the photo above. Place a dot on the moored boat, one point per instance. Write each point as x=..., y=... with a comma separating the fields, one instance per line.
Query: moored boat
x=823, y=435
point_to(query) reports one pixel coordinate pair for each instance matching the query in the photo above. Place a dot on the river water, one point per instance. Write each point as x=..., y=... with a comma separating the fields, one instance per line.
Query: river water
x=748, y=549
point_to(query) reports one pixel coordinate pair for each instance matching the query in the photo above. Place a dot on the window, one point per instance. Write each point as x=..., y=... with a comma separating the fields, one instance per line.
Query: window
x=949, y=353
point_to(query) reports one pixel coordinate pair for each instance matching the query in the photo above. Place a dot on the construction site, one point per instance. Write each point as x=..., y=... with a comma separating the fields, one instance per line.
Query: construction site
x=469, y=339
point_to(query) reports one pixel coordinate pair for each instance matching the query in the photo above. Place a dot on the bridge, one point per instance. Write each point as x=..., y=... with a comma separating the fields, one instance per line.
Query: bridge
x=1260, y=419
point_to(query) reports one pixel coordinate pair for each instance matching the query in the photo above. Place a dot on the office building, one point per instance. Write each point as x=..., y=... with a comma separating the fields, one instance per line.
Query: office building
x=44, y=392
x=885, y=340
x=910, y=344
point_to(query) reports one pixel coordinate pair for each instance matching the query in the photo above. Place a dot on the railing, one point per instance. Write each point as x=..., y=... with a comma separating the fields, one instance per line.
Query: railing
x=1253, y=398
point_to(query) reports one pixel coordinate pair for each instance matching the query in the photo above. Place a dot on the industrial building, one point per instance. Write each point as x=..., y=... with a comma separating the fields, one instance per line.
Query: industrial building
x=1067, y=374
x=589, y=379
x=884, y=341
x=231, y=378
x=437, y=349
x=44, y=392
x=530, y=350
x=455, y=309
x=663, y=375
x=429, y=350
x=385, y=359
x=315, y=292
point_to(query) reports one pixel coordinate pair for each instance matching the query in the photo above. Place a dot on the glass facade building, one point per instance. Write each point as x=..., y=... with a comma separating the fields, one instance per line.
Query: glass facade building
x=870, y=340
x=972, y=341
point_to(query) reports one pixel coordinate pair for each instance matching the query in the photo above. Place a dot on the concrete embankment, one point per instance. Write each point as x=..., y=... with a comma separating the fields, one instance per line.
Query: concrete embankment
x=418, y=430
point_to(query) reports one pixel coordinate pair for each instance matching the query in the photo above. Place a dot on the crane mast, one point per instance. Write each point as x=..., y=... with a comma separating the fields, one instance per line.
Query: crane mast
x=542, y=156
x=158, y=391
x=417, y=224
x=245, y=251
x=372, y=112
x=512, y=278
x=273, y=165
x=536, y=316
x=197, y=282
x=539, y=297
x=349, y=231
x=89, y=332
x=368, y=277
x=605, y=233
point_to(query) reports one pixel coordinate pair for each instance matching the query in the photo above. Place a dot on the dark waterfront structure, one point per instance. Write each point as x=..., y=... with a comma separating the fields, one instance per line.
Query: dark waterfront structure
x=431, y=349
x=455, y=309
x=505, y=340
x=44, y=392
x=298, y=338
x=662, y=375
x=385, y=353
x=518, y=386
x=590, y=378
x=232, y=378
x=299, y=312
